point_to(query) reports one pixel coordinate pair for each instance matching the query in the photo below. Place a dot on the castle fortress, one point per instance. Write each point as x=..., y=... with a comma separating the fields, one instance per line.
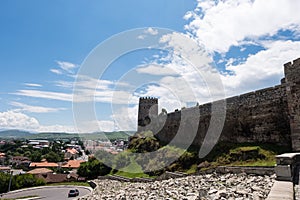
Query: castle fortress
x=270, y=115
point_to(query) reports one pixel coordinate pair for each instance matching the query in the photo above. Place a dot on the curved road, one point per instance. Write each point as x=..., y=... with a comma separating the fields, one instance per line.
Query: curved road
x=48, y=192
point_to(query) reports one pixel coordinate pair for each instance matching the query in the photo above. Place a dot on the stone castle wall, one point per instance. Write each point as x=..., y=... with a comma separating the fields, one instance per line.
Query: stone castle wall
x=269, y=115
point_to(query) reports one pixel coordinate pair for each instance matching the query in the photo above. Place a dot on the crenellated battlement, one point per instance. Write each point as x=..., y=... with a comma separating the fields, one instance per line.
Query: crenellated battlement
x=148, y=109
x=269, y=115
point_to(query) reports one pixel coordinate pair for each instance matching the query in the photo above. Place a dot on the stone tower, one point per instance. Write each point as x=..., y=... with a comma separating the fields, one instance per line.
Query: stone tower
x=148, y=110
x=292, y=81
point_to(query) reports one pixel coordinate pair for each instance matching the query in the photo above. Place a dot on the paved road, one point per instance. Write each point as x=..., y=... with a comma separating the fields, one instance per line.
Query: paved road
x=49, y=192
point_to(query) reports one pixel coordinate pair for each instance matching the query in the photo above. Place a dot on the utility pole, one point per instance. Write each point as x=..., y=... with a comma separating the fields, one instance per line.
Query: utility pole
x=9, y=185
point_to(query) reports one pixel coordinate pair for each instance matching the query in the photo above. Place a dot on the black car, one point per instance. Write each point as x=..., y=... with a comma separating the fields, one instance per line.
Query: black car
x=72, y=193
x=77, y=192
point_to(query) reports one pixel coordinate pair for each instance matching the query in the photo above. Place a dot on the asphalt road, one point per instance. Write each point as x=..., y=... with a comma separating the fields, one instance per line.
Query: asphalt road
x=48, y=192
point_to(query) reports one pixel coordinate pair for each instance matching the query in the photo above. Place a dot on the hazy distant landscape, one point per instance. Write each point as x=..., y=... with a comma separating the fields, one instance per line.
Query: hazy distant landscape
x=14, y=134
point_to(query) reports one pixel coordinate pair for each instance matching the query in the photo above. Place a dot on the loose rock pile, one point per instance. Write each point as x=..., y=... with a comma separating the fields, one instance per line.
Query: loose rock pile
x=209, y=186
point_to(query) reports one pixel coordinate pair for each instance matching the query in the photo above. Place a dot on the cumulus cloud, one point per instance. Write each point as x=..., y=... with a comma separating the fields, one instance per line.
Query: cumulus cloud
x=222, y=24
x=151, y=31
x=265, y=68
x=16, y=120
x=187, y=74
x=125, y=117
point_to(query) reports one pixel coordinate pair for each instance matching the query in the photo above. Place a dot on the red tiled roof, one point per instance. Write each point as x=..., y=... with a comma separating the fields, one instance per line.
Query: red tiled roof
x=40, y=171
x=73, y=164
x=43, y=164
x=4, y=168
x=72, y=151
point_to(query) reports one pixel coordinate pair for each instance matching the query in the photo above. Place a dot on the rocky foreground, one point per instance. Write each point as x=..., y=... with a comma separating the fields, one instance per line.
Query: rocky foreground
x=209, y=186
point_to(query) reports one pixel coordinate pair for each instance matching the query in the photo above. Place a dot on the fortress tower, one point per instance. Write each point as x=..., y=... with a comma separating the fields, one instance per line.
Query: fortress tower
x=292, y=81
x=148, y=109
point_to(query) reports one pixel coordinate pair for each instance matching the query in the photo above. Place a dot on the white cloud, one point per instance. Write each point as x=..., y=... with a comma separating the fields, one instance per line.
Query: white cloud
x=151, y=31
x=56, y=71
x=45, y=94
x=33, y=85
x=87, y=90
x=67, y=66
x=16, y=120
x=227, y=23
x=56, y=128
x=125, y=118
x=64, y=84
x=34, y=109
x=155, y=69
x=262, y=69
x=64, y=67
x=141, y=37
x=187, y=74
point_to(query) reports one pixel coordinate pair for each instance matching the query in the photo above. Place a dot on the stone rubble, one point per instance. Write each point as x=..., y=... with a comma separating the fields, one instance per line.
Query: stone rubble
x=198, y=187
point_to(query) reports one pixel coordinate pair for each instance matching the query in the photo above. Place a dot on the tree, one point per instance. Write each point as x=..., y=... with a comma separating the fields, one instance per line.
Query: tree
x=144, y=142
x=92, y=169
x=20, y=150
x=53, y=157
x=56, y=147
x=36, y=156
x=19, y=181
x=87, y=152
x=27, y=154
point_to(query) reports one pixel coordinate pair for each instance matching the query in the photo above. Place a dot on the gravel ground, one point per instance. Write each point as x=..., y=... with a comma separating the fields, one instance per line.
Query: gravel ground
x=209, y=186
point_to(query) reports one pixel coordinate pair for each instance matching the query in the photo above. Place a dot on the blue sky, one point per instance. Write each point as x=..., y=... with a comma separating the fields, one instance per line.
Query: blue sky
x=44, y=43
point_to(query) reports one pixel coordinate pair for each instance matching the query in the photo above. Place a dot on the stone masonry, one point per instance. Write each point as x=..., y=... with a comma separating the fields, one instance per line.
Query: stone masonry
x=269, y=115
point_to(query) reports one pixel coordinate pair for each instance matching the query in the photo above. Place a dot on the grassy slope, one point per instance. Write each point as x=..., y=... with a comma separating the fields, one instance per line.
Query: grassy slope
x=133, y=170
x=244, y=155
x=223, y=154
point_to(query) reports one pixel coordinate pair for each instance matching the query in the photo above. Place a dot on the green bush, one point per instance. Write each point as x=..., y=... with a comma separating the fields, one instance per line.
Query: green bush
x=19, y=181
x=144, y=142
x=92, y=169
x=121, y=160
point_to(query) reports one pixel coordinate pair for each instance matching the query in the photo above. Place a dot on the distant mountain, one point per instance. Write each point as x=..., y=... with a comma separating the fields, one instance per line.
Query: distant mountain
x=14, y=134
x=57, y=135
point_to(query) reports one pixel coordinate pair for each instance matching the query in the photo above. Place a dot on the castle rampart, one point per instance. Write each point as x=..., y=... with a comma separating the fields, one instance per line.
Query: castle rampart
x=268, y=115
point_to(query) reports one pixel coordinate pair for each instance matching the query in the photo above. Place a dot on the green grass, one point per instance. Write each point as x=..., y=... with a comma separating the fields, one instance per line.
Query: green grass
x=70, y=183
x=193, y=169
x=133, y=170
x=259, y=155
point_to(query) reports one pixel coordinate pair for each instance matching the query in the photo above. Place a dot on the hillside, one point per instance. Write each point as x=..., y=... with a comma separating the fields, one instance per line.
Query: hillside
x=55, y=136
x=14, y=134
